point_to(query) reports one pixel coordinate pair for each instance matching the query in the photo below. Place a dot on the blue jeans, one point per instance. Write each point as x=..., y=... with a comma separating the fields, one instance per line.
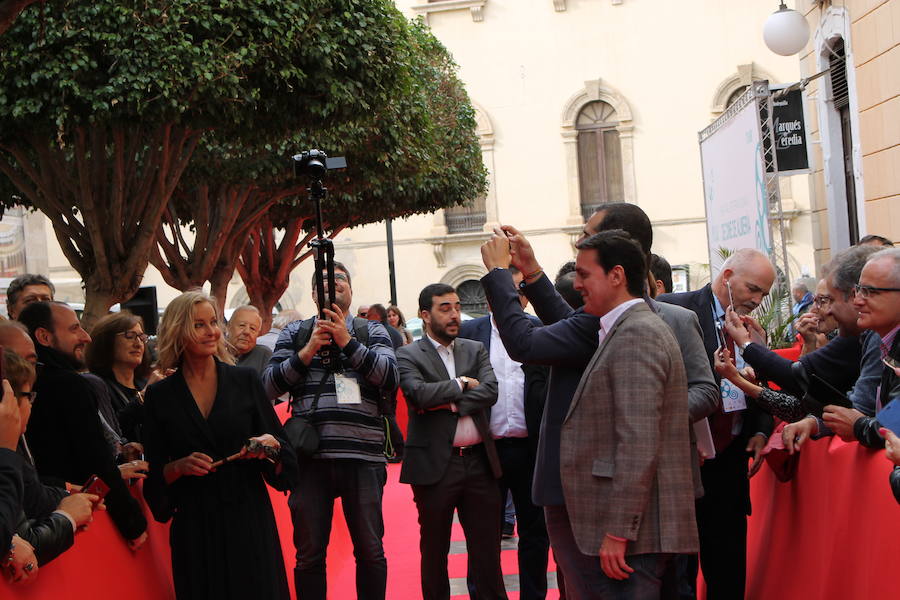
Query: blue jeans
x=360, y=486
x=584, y=577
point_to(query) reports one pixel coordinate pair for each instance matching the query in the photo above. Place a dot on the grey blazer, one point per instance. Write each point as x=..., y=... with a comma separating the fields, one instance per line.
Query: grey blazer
x=426, y=385
x=625, y=452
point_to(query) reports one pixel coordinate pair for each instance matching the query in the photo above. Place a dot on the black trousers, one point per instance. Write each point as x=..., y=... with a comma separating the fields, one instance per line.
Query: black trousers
x=469, y=488
x=722, y=523
x=517, y=462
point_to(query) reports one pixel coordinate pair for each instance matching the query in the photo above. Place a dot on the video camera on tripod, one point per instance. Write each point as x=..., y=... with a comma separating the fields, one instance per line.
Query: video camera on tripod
x=315, y=164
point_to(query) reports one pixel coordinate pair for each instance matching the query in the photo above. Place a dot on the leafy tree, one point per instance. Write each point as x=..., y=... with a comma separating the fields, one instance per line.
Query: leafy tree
x=103, y=103
x=416, y=154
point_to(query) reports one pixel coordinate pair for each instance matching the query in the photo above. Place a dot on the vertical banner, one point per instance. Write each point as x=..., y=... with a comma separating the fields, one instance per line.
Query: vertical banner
x=789, y=129
x=734, y=185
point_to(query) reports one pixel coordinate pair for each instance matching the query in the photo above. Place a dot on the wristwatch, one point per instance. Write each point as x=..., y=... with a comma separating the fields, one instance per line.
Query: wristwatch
x=744, y=346
x=465, y=382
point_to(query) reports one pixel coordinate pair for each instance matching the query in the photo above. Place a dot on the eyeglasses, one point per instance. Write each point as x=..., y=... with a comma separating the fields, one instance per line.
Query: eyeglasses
x=822, y=300
x=30, y=395
x=867, y=291
x=134, y=335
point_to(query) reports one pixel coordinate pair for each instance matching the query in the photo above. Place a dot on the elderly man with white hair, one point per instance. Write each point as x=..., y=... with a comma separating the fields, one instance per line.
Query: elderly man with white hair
x=241, y=333
x=878, y=302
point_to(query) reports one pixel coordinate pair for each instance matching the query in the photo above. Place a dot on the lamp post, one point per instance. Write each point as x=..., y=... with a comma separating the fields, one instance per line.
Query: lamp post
x=786, y=31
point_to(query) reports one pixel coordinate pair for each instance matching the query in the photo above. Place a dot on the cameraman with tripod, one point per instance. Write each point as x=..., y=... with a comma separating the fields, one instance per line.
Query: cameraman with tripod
x=341, y=402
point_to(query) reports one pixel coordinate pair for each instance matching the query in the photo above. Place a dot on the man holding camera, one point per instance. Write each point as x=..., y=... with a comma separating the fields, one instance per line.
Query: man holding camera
x=341, y=402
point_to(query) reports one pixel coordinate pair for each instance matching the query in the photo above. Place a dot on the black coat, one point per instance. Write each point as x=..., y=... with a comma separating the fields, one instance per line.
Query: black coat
x=49, y=532
x=10, y=495
x=67, y=441
x=224, y=539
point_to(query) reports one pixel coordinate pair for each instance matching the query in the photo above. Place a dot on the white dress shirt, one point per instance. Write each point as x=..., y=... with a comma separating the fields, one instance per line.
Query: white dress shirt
x=508, y=414
x=609, y=319
x=466, y=432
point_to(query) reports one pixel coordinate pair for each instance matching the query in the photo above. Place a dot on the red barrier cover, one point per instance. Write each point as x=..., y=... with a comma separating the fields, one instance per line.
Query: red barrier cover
x=831, y=533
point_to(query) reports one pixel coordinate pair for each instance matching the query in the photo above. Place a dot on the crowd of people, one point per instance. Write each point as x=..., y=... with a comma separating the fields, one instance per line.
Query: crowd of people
x=624, y=421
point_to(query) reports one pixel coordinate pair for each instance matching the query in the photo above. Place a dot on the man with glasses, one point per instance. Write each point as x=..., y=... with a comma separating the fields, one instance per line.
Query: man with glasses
x=878, y=302
x=344, y=406
x=849, y=362
x=814, y=327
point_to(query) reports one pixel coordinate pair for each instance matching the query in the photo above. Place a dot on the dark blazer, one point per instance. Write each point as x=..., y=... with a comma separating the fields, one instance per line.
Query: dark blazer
x=535, y=375
x=11, y=489
x=49, y=532
x=566, y=349
x=67, y=441
x=426, y=385
x=701, y=302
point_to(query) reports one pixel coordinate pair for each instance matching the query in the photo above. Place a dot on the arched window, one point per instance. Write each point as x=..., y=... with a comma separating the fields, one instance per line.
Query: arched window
x=472, y=298
x=599, y=157
x=735, y=95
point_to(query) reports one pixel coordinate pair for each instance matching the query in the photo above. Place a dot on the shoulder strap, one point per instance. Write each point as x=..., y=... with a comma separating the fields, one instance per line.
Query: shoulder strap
x=361, y=329
x=303, y=333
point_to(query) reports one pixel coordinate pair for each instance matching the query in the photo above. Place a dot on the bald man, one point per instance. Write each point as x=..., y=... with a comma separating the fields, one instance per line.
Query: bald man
x=14, y=335
x=738, y=429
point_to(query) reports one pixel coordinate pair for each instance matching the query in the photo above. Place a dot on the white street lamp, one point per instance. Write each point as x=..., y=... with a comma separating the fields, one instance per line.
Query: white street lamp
x=786, y=31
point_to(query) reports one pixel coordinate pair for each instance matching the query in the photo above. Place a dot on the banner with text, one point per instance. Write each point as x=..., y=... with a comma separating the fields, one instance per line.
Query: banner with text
x=789, y=128
x=734, y=187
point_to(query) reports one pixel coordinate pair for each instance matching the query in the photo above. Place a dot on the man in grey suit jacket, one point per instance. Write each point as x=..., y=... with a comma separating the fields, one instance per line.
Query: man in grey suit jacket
x=625, y=453
x=450, y=460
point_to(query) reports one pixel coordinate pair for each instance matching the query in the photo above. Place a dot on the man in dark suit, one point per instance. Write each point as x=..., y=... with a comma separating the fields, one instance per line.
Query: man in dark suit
x=515, y=423
x=738, y=428
x=451, y=461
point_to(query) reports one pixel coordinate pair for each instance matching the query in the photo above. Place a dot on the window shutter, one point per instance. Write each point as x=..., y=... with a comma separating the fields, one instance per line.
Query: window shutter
x=839, y=90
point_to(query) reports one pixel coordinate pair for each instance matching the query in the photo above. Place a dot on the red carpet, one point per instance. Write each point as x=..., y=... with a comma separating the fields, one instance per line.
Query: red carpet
x=829, y=534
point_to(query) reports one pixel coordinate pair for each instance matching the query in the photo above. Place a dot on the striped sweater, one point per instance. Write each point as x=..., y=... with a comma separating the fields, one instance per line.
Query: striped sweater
x=346, y=431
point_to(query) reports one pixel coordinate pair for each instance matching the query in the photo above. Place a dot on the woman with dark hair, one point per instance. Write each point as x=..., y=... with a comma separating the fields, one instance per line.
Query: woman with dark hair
x=395, y=319
x=118, y=355
x=213, y=441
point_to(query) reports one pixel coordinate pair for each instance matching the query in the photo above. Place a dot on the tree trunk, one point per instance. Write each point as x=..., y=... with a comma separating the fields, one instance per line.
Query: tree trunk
x=265, y=265
x=104, y=190
x=218, y=288
x=221, y=217
x=96, y=306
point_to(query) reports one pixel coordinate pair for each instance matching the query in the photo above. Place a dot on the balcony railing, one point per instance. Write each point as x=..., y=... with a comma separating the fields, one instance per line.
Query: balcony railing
x=465, y=222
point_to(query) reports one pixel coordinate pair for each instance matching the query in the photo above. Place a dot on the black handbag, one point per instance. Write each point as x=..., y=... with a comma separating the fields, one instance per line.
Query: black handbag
x=300, y=432
x=302, y=436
